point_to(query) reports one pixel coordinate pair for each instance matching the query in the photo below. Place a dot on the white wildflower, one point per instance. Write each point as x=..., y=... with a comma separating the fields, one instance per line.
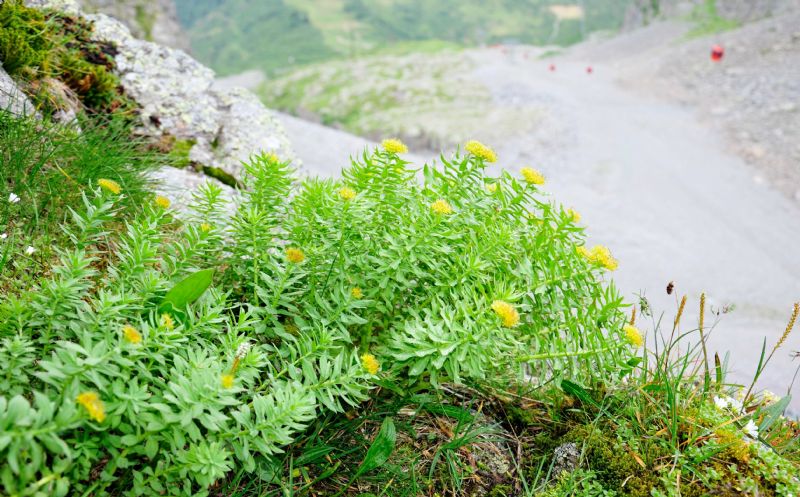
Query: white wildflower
x=13, y=198
x=751, y=429
x=722, y=403
x=3, y=236
x=242, y=350
x=30, y=250
x=769, y=397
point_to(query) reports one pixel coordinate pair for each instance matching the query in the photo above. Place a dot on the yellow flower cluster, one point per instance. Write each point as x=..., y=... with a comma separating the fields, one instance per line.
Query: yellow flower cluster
x=93, y=405
x=205, y=227
x=347, y=194
x=227, y=381
x=574, y=215
x=162, y=202
x=110, y=186
x=394, y=146
x=441, y=207
x=295, y=255
x=491, y=187
x=508, y=315
x=532, y=176
x=480, y=150
x=167, y=322
x=356, y=293
x=370, y=364
x=633, y=335
x=131, y=334
x=599, y=255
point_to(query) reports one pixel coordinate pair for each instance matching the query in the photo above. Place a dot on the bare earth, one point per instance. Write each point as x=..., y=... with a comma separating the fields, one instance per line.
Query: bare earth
x=654, y=182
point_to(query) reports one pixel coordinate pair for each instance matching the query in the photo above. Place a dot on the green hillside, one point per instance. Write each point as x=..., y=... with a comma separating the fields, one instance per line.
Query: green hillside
x=273, y=35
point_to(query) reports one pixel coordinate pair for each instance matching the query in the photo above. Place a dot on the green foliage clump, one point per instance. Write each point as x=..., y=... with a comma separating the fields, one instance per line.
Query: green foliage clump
x=21, y=43
x=134, y=372
x=47, y=166
x=56, y=62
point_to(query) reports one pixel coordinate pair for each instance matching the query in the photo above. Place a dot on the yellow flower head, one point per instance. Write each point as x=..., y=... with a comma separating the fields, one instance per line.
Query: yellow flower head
x=227, y=381
x=131, y=334
x=532, y=176
x=491, y=187
x=93, y=405
x=205, y=227
x=110, y=186
x=633, y=335
x=370, y=364
x=480, y=150
x=599, y=255
x=394, y=146
x=167, y=322
x=602, y=256
x=295, y=255
x=273, y=158
x=441, y=207
x=574, y=215
x=356, y=292
x=508, y=315
x=162, y=202
x=347, y=194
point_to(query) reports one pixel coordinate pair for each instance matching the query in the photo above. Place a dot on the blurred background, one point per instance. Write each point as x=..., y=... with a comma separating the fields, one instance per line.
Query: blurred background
x=672, y=126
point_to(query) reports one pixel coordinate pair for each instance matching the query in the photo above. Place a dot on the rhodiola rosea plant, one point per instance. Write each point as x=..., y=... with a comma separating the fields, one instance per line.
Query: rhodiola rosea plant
x=160, y=354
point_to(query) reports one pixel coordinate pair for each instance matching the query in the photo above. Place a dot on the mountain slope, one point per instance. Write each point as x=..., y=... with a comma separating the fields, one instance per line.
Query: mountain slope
x=235, y=35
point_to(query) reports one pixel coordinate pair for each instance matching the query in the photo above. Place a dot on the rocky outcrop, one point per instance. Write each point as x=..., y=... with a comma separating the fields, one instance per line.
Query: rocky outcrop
x=177, y=98
x=11, y=98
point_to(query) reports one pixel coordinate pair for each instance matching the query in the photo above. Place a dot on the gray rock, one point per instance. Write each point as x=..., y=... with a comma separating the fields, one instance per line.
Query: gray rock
x=68, y=6
x=11, y=97
x=565, y=459
x=177, y=97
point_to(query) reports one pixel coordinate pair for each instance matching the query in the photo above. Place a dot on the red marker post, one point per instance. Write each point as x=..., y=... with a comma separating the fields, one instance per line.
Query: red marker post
x=552, y=67
x=717, y=52
x=589, y=70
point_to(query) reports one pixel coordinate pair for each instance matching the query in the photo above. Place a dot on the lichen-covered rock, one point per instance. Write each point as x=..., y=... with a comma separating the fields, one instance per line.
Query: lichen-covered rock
x=177, y=97
x=68, y=6
x=12, y=99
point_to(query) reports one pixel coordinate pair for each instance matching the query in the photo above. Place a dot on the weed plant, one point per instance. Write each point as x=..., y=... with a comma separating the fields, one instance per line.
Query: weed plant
x=158, y=357
x=44, y=170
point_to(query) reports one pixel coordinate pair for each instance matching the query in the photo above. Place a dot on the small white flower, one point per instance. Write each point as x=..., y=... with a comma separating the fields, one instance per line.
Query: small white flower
x=13, y=198
x=30, y=250
x=242, y=350
x=735, y=404
x=769, y=397
x=722, y=403
x=3, y=236
x=751, y=429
